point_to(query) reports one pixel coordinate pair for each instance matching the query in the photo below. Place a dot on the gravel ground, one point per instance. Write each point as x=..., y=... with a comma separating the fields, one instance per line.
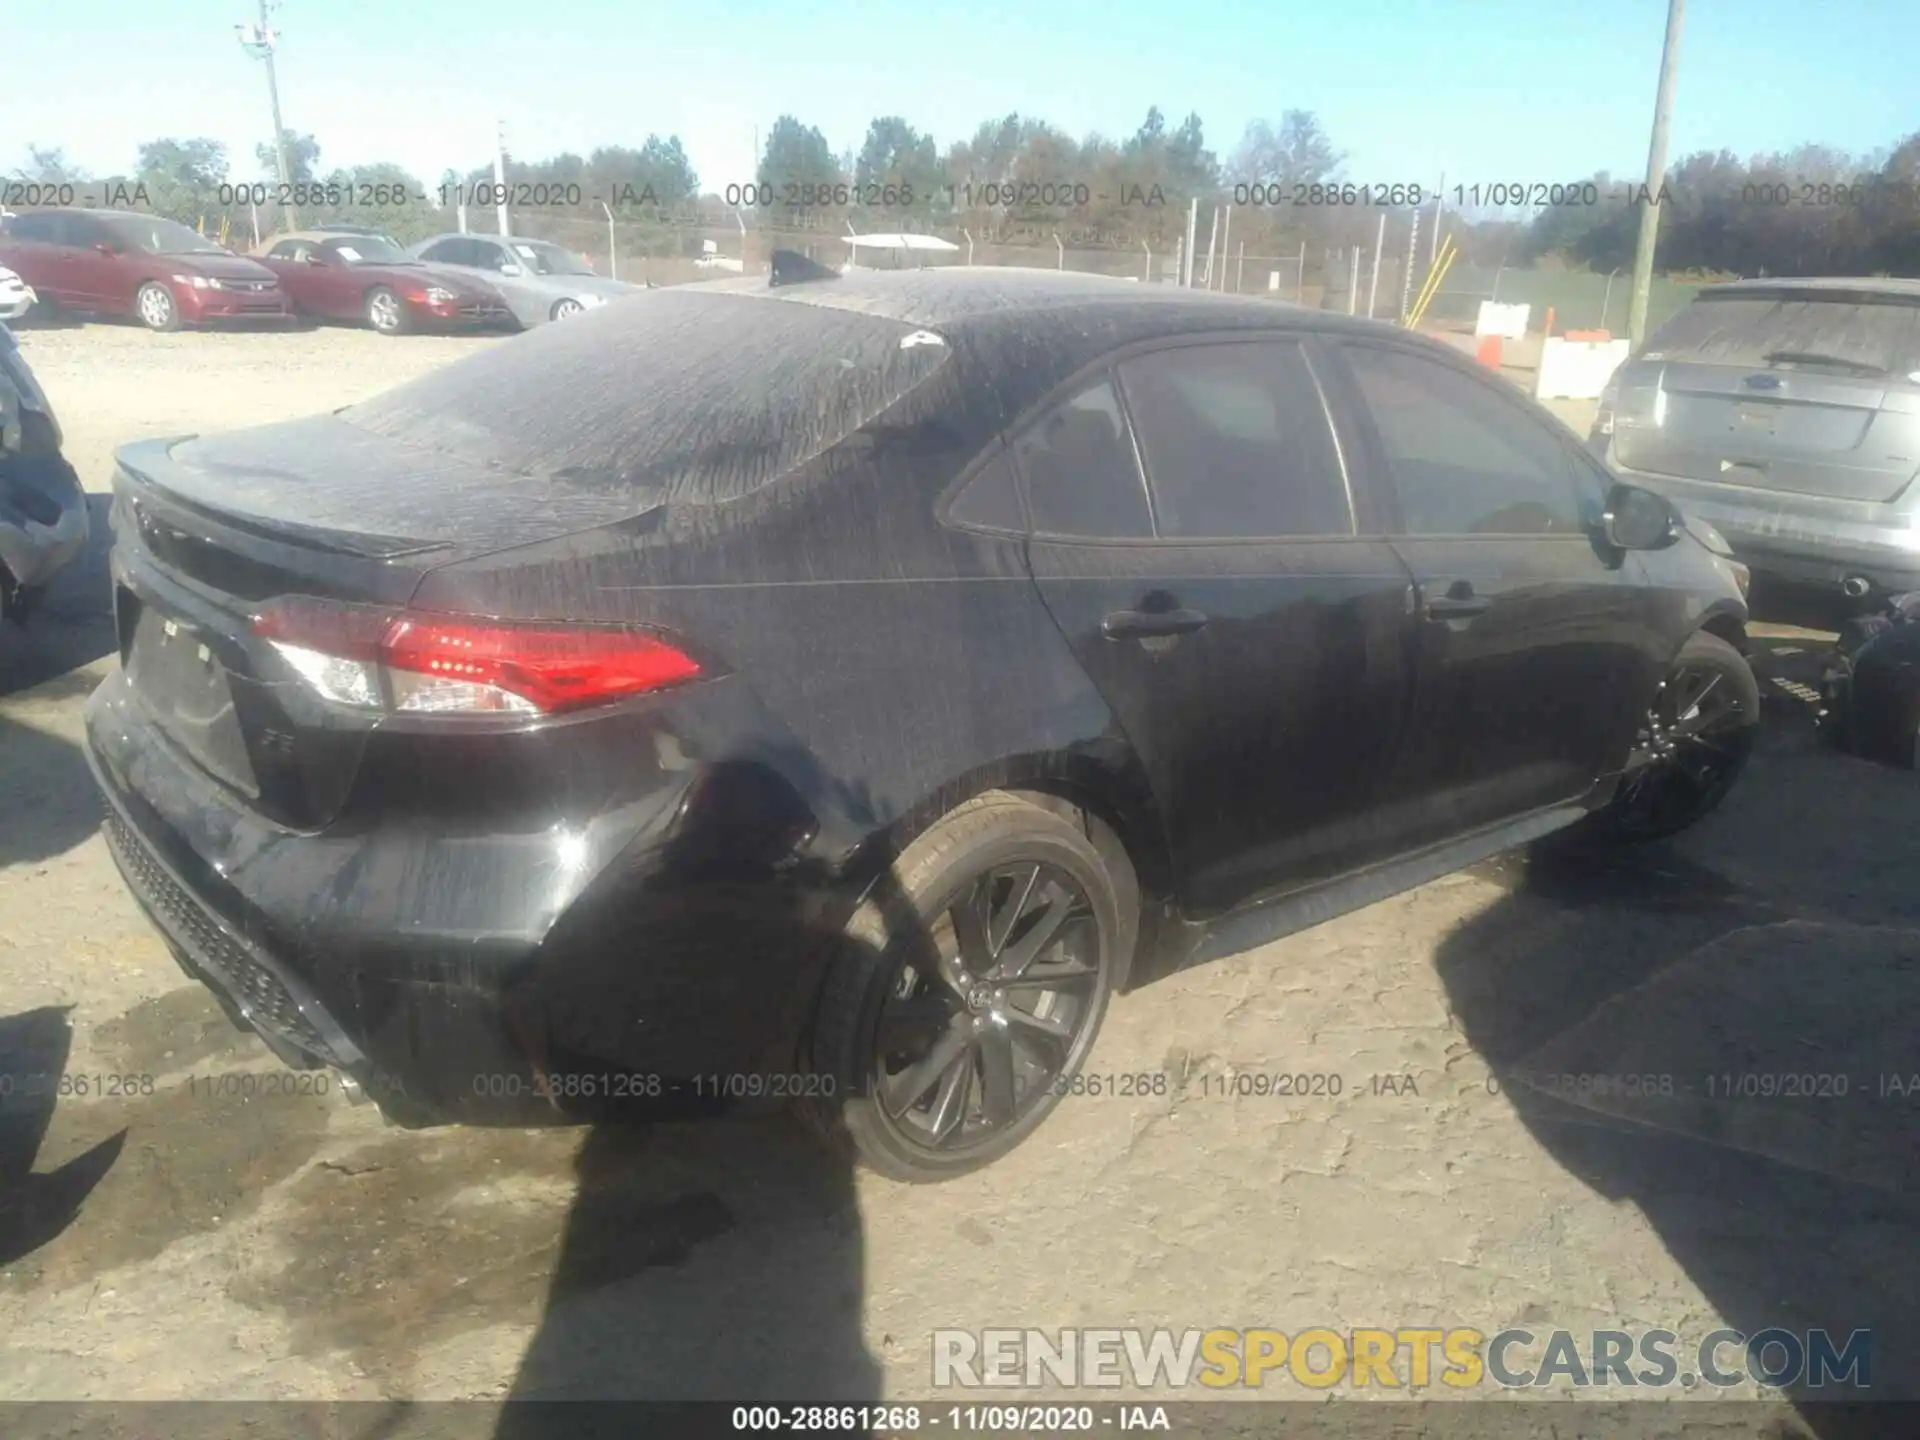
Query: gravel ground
x=297, y=1248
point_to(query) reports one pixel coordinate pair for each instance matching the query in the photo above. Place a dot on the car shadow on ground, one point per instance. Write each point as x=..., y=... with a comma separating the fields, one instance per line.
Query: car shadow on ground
x=48, y=803
x=1718, y=993
x=719, y=1258
x=34, y=1208
x=72, y=625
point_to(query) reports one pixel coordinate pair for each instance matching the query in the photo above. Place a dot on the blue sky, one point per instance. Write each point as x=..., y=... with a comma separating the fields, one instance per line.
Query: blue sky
x=1518, y=90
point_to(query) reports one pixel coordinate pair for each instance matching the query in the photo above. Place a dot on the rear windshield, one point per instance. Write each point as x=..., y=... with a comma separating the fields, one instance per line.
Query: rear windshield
x=699, y=397
x=1761, y=331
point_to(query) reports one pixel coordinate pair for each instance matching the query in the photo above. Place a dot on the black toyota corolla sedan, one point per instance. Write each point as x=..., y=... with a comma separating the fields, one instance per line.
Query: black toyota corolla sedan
x=836, y=687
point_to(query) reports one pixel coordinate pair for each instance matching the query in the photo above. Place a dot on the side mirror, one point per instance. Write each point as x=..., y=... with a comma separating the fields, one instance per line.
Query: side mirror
x=313, y=259
x=511, y=270
x=1637, y=519
x=105, y=249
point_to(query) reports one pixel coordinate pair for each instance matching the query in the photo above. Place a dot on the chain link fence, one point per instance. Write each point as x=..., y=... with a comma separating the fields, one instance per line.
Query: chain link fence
x=711, y=242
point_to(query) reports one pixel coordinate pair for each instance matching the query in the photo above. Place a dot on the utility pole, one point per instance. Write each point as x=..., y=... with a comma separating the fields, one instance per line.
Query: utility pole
x=1656, y=176
x=1193, y=223
x=259, y=40
x=500, y=177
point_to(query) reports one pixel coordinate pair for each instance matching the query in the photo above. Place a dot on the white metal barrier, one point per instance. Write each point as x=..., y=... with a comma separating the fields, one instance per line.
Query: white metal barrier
x=1577, y=369
x=1509, y=322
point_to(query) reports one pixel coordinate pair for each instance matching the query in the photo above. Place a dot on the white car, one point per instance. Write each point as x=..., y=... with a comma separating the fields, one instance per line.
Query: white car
x=16, y=296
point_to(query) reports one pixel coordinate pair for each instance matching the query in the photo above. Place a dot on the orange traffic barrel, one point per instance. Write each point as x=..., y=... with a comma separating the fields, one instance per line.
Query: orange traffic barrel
x=1489, y=352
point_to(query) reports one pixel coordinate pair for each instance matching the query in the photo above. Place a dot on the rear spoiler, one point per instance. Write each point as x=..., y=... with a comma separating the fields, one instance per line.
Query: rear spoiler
x=148, y=464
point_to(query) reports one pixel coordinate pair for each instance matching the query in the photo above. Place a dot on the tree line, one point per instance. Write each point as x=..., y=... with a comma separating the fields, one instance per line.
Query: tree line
x=1020, y=179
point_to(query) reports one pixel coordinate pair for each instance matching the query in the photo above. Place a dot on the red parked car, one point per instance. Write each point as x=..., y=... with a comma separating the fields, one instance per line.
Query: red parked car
x=367, y=277
x=121, y=262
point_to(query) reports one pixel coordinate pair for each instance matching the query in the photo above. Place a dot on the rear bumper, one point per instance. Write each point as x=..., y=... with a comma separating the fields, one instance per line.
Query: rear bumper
x=1799, y=538
x=463, y=978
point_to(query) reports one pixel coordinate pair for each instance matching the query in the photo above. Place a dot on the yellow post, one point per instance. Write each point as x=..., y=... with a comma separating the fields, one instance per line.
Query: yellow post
x=1431, y=283
x=1446, y=264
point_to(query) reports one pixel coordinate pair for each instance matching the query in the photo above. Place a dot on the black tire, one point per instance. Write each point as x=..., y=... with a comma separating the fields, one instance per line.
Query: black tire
x=385, y=313
x=1680, y=788
x=156, y=307
x=973, y=855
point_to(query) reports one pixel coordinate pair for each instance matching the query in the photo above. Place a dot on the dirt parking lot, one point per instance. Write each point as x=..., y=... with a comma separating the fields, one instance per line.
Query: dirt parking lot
x=203, y=1237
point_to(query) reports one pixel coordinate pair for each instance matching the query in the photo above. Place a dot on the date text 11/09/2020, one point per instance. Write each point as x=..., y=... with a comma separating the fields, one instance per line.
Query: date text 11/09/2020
x=633, y=1085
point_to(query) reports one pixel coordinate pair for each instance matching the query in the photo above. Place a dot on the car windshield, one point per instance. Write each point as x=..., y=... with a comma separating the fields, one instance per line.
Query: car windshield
x=716, y=395
x=545, y=259
x=367, y=250
x=160, y=237
x=1846, y=332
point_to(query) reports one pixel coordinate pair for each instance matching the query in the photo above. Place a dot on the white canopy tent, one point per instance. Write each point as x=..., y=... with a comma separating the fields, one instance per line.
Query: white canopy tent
x=867, y=248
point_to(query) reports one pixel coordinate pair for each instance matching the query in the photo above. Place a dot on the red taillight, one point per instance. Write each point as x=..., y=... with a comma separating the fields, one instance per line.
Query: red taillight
x=454, y=664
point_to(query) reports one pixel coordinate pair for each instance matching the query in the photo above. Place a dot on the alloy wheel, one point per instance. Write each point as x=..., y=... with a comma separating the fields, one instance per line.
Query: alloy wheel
x=567, y=308
x=156, y=307
x=1692, y=743
x=972, y=1039
x=384, y=311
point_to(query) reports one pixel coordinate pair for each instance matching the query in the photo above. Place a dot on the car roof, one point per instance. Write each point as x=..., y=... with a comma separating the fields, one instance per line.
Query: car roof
x=496, y=239
x=1815, y=286
x=96, y=212
x=318, y=237
x=983, y=294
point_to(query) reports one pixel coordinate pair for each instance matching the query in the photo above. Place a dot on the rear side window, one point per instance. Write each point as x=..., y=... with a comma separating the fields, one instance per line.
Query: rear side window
x=450, y=252
x=1236, y=442
x=42, y=226
x=990, y=500
x=1465, y=459
x=1880, y=337
x=690, y=397
x=1080, y=471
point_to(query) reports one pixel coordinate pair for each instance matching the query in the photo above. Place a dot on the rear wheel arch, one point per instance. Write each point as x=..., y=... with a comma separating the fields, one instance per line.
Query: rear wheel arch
x=1107, y=818
x=1730, y=629
x=1130, y=842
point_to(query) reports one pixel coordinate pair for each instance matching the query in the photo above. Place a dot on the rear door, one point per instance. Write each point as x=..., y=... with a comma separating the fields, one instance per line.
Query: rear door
x=29, y=245
x=288, y=261
x=1802, y=392
x=98, y=279
x=1199, y=545
x=337, y=289
x=1535, y=658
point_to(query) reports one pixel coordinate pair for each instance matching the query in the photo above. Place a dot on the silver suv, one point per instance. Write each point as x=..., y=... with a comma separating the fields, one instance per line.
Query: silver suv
x=1786, y=414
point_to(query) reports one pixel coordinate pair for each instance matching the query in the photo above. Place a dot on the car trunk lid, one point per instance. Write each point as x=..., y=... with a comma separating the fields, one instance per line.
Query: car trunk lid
x=207, y=531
